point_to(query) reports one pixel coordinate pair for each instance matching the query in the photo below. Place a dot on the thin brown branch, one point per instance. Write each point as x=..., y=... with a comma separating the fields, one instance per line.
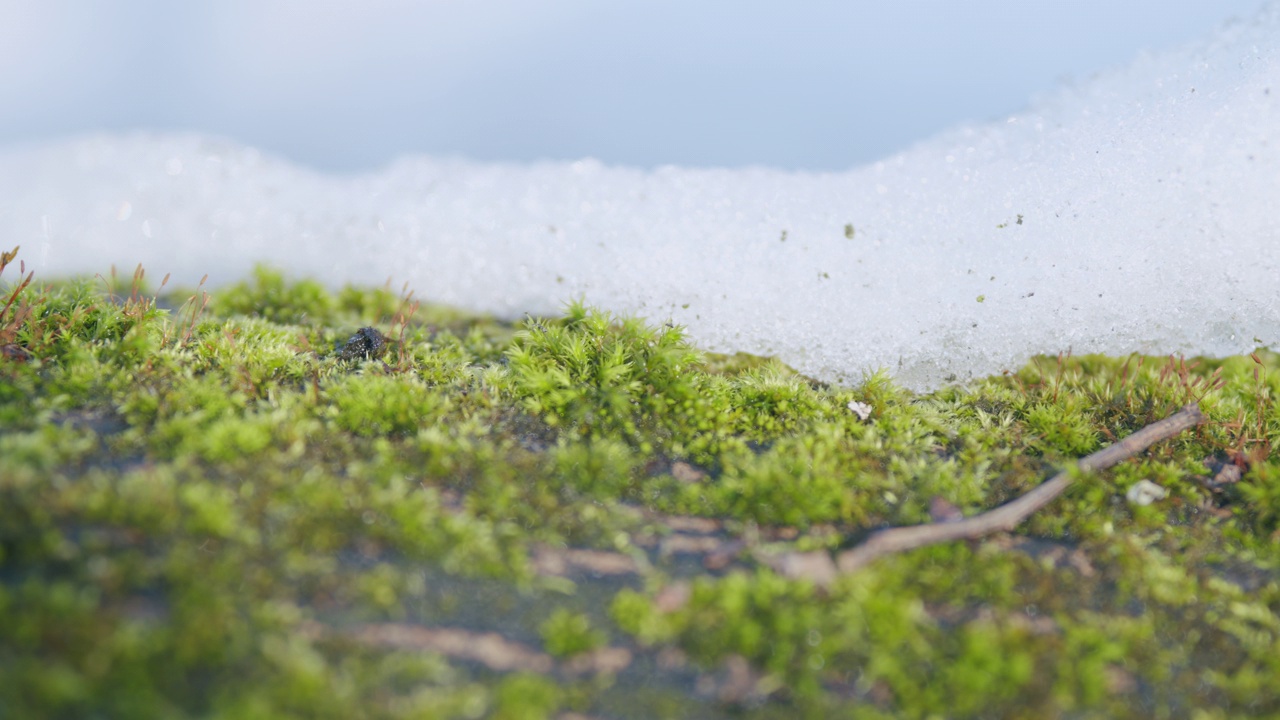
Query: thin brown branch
x=1007, y=516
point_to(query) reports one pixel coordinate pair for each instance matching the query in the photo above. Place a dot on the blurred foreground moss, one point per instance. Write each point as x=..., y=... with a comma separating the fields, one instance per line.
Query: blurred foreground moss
x=208, y=509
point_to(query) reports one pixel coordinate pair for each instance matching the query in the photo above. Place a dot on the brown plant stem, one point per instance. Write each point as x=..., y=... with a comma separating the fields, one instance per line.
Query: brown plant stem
x=1007, y=516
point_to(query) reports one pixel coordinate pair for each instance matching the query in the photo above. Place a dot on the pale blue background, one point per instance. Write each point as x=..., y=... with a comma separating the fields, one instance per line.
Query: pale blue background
x=818, y=85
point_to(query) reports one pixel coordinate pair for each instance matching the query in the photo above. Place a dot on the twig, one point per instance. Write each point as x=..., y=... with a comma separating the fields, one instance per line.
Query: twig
x=1007, y=516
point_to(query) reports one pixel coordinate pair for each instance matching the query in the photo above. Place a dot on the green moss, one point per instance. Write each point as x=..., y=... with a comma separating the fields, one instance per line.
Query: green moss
x=526, y=697
x=566, y=633
x=269, y=295
x=594, y=375
x=378, y=405
x=208, y=512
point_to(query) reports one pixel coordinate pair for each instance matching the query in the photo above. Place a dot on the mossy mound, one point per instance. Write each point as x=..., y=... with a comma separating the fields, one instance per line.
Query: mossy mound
x=209, y=509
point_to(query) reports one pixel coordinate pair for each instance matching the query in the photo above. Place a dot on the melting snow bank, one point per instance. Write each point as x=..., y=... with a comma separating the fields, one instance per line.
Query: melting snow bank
x=1136, y=212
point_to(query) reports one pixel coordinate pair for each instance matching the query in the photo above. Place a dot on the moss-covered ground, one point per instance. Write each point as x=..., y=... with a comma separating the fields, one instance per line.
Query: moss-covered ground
x=215, y=505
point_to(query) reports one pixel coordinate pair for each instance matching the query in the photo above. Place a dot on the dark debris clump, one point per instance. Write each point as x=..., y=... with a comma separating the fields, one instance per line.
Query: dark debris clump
x=366, y=344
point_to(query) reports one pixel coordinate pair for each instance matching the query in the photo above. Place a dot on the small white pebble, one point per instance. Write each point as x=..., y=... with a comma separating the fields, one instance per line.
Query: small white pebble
x=1145, y=492
x=861, y=409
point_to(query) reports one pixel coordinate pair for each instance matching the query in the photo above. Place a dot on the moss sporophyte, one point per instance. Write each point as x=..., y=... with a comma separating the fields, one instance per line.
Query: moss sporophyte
x=273, y=500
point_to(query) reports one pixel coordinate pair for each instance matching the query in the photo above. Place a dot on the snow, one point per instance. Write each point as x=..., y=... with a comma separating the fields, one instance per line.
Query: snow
x=1133, y=213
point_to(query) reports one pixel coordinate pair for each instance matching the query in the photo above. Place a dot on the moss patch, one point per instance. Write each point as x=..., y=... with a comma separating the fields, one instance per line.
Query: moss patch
x=209, y=509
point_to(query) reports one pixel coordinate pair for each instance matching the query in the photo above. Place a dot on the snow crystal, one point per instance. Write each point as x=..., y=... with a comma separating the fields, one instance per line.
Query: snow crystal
x=1135, y=212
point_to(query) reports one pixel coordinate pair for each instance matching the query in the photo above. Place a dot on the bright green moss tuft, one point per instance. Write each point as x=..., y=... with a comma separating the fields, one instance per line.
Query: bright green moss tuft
x=526, y=697
x=594, y=375
x=566, y=633
x=379, y=405
x=269, y=295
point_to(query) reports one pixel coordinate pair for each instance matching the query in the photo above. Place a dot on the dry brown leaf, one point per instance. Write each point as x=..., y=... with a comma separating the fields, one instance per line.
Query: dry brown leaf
x=686, y=473
x=563, y=561
x=489, y=649
x=689, y=544
x=690, y=524
x=673, y=597
x=720, y=558
x=606, y=660
x=816, y=566
x=735, y=682
x=942, y=511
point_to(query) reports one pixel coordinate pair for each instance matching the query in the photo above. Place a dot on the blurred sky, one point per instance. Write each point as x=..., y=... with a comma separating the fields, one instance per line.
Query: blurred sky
x=803, y=84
